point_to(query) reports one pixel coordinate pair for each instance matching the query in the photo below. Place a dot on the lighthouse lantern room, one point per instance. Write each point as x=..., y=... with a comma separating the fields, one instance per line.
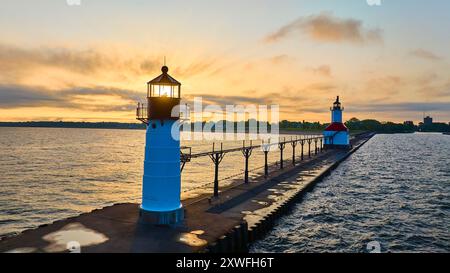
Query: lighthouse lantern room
x=162, y=176
x=336, y=135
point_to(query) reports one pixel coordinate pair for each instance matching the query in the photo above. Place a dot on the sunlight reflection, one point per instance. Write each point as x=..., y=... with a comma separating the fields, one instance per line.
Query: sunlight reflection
x=74, y=232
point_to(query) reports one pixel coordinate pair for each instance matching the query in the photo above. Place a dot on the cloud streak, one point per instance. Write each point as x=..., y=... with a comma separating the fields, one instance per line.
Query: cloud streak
x=323, y=70
x=401, y=107
x=18, y=62
x=13, y=96
x=327, y=28
x=425, y=54
x=84, y=61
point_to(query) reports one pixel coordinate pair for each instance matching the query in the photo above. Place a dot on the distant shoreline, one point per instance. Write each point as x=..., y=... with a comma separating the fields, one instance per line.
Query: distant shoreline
x=282, y=132
x=285, y=127
x=64, y=124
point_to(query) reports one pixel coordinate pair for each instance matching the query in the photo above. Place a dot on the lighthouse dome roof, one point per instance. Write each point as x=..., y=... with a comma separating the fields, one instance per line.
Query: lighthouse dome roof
x=164, y=78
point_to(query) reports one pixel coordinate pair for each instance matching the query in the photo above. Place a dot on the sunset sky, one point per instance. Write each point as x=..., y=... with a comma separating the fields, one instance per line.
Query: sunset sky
x=91, y=62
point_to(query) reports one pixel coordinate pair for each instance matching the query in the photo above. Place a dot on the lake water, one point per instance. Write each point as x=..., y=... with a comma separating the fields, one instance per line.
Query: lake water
x=395, y=190
x=393, y=193
x=47, y=174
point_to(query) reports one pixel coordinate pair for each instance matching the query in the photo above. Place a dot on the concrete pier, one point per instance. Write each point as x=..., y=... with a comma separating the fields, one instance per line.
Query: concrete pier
x=241, y=214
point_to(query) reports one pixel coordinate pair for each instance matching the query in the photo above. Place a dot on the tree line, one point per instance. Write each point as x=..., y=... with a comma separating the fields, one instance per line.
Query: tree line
x=353, y=124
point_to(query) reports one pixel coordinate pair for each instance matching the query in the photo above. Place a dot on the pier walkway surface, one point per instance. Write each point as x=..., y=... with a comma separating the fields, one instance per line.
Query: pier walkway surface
x=241, y=214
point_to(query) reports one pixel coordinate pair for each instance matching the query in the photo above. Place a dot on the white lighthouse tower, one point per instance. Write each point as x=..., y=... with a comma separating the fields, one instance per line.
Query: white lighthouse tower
x=336, y=134
x=162, y=176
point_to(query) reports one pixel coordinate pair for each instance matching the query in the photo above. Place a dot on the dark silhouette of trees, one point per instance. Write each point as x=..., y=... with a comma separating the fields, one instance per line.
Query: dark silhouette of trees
x=352, y=124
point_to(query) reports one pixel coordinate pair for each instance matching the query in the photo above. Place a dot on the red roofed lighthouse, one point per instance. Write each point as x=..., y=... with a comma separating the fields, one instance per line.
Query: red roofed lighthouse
x=336, y=134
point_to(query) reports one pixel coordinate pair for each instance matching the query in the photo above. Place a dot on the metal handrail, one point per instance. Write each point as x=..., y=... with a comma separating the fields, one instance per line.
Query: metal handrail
x=142, y=113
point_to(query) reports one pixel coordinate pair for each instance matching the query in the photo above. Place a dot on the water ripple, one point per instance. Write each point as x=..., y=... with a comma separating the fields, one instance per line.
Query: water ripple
x=392, y=191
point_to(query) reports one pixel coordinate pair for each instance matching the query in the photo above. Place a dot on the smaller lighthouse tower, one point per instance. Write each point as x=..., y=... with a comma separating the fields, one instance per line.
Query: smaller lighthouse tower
x=336, y=134
x=162, y=176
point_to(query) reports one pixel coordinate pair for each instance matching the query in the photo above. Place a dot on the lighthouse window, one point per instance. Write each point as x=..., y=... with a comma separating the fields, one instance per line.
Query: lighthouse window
x=154, y=125
x=164, y=91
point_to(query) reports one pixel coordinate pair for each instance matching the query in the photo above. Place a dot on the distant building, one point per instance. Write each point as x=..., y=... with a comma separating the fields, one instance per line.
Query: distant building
x=408, y=123
x=429, y=125
x=428, y=120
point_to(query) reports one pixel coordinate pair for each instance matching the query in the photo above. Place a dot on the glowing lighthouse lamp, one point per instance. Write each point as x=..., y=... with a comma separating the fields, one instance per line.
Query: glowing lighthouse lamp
x=162, y=176
x=336, y=134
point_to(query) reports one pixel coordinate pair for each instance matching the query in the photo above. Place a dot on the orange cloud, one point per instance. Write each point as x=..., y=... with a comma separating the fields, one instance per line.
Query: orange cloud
x=327, y=28
x=92, y=99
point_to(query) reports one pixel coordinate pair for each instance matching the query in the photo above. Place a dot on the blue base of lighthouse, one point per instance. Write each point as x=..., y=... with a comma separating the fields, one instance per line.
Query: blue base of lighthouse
x=161, y=187
x=173, y=217
x=336, y=139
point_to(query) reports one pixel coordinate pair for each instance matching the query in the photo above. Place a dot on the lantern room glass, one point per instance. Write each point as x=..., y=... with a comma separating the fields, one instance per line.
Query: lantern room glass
x=163, y=90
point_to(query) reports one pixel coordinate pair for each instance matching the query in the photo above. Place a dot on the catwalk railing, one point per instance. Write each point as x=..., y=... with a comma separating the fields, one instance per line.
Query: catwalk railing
x=312, y=144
